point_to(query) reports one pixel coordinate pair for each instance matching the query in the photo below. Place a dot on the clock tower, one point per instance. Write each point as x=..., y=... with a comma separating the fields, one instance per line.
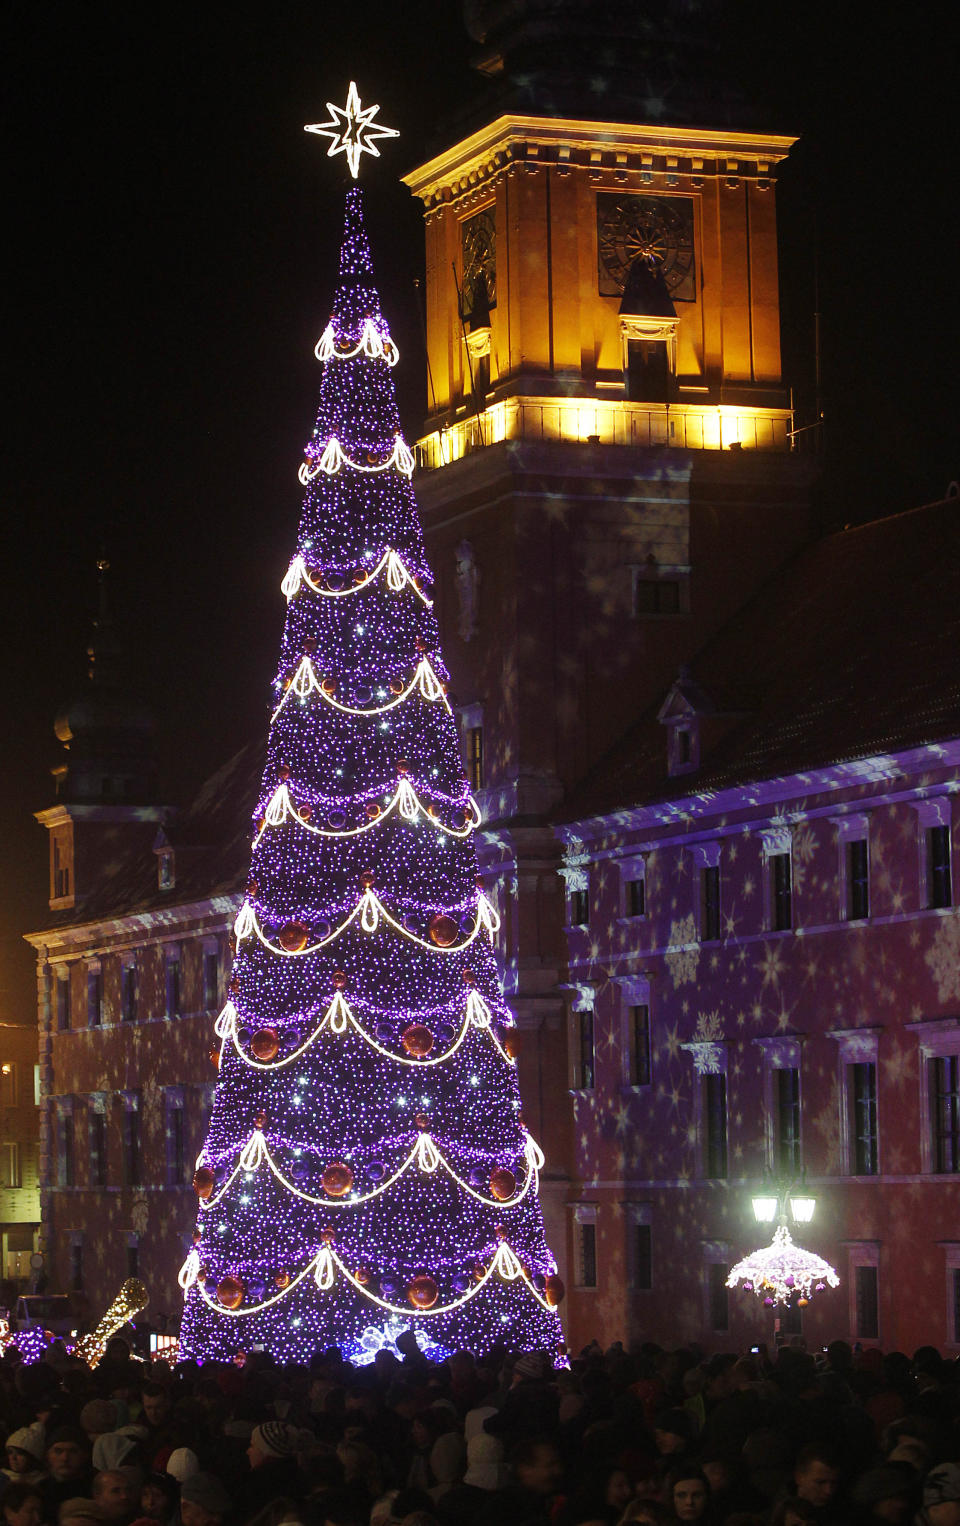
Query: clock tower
x=605, y=471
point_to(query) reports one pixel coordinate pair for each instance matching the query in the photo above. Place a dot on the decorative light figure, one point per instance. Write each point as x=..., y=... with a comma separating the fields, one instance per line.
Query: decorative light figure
x=352, y=130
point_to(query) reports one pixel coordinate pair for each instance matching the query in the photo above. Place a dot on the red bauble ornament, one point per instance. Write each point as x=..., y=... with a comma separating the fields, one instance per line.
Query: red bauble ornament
x=362, y=1275
x=339, y=980
x=337, y=1179
x=203, y=1181
x=554, y=1290
x=469, y=978
x=260, y=1120
x=417, y=1040
x=403, y=767
x=265, y=1044
x=422, y=1121
x=293, y=937
x=359, y=576
x=397, y=686
x=503, y=1184
x=511, y=1042
x=329, y=686
x=309, y=645
x=328, y=1237
x=253, y=887
x=423, y=1292
x=230, y=1291
x=306, y=811
x=282, y=1279
x=213, y=1055
x=283, y=772
x=479, y=1271
x=367, y=877
x=373, y=810
x=443, y=930
x=260, y=823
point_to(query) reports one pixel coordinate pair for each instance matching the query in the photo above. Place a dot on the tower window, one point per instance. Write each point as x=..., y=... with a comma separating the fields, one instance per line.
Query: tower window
x=173, y=986
x=131, y=1147
x=867, y=1303
x=945, y=1112
x=586, y=1056
x=580, y=908
x=76, y=1266
x=63, y=1001
x=636, y=898
x=863, y=1118
x=133, y=1259
x=656, y=596
x=94, y=997
x=98, y=1150
x=129, y=993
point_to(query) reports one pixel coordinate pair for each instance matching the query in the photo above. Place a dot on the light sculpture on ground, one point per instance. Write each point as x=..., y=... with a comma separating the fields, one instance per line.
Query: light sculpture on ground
x=783, y=1272
x=367, y=1167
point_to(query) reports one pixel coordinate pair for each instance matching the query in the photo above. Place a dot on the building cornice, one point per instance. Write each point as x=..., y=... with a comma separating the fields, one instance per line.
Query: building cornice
x=133, y=928
x=59, y=815
x=579, y=143
x=684, y=811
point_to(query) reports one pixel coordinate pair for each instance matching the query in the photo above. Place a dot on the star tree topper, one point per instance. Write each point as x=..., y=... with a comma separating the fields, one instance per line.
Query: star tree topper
x=352, y=131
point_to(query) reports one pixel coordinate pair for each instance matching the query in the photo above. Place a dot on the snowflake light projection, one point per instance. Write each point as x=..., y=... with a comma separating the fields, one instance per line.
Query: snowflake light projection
x=782, y=1272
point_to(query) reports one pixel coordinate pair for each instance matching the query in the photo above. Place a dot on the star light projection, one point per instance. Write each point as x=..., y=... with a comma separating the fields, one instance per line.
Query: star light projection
x=352, y=130
x=367, y=1167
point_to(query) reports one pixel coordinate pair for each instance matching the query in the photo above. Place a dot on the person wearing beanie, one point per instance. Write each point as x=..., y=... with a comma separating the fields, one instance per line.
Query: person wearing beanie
x=182, y=1463
x=25, y=1450
x=203, y=1500
x=272, y=1455
x=112, y=1450
x=69, y=1474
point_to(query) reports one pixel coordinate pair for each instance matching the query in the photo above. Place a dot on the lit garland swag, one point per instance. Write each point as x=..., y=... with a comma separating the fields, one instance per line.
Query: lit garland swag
x=366, y=1162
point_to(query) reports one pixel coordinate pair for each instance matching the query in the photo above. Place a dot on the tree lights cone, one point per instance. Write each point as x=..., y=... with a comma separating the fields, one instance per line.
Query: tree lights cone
x=366, y=1166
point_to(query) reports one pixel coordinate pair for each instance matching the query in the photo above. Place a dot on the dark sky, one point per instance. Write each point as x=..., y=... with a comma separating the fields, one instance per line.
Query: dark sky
x=174, y=234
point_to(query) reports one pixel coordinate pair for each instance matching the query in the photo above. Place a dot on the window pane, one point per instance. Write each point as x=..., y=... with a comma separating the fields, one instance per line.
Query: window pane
x=938, y=866
x=580, y=909
x=715, y=1119
x=586, y=1050
x=636, y=898
x=173, y=987
x=640, y=1045
x=787, y=1099
x=866, y=1301
x=945, y=1112
x=710, y=903
x=475, y=757
x=781, y=892
x=863, y=1118
x=858, y=887
x=588, y=1255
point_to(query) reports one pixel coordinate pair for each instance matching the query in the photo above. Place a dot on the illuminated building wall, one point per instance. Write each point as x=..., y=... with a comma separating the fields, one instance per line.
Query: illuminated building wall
x=19, y=1195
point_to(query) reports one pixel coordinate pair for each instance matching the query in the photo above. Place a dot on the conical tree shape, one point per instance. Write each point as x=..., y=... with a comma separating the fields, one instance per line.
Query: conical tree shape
x=367, y=1166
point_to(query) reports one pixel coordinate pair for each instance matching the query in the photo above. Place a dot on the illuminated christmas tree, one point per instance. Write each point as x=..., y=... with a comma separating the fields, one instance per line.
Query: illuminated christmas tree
x=367, y=1166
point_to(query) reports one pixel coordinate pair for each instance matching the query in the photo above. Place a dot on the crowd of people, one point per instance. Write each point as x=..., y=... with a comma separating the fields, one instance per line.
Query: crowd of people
x=662, y=1438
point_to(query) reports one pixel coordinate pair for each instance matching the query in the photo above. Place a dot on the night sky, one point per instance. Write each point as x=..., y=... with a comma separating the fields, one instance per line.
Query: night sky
x=174, y=236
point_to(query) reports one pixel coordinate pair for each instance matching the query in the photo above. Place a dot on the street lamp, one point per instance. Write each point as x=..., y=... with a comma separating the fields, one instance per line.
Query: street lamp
x=782, y=1271
x=780, y=1196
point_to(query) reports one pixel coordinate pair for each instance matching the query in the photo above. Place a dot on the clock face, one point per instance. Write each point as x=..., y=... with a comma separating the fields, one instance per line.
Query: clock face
x=478, y=248
x=657, y=227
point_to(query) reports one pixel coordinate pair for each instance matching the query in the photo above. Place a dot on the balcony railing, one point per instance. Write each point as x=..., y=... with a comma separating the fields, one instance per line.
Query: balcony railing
x=686, y=426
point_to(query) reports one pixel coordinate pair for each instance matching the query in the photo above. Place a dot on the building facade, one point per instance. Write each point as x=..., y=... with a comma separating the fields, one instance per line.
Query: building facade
x=19, y=1151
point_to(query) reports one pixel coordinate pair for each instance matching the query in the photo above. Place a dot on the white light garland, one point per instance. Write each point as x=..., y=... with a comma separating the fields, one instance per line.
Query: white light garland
x=504, y=1261
x=782, y=1271
x=372, y=343
x=398, y=577
x=369, y=909
x=333, y=457
x=405, y=799
x=425, y=1154
x=339, y=1015
x=305, y=682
